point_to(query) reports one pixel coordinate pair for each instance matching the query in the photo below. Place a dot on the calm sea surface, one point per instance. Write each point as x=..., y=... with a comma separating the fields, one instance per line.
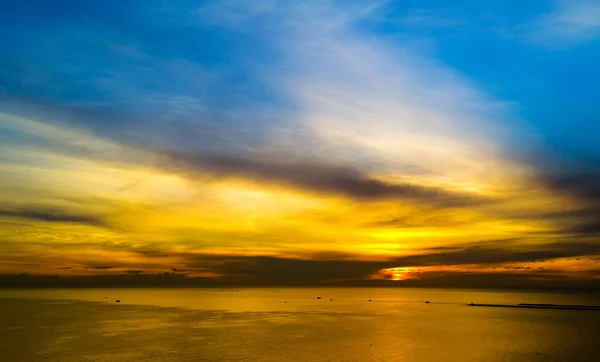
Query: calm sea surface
x=291, y=324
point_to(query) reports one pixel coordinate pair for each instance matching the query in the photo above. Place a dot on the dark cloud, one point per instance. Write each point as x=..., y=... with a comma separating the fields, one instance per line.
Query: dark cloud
x=587, y=228
x=134, y=271
x=330, y=267
x=271, y=270
x=188, y=270
x=511, y=252
x=574, y=177
x=351, y=270
x=52, y=214
x=583, y=182
x=343, y=268
x=578, y=220
x=207, y=128
x=314, y=177
x=496, y=243
x=100, y=267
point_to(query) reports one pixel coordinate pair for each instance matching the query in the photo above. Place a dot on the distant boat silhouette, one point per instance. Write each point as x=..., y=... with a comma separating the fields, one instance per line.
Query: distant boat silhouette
x=426, y=302
x=369, y=300
x=318, y=297
x=118, y=301
x=331, y=299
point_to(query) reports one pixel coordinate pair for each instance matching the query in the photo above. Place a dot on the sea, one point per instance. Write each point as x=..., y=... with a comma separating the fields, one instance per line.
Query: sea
x=294, y=324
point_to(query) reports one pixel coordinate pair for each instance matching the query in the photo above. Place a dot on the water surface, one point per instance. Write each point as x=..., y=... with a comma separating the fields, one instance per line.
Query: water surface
x=276, y=324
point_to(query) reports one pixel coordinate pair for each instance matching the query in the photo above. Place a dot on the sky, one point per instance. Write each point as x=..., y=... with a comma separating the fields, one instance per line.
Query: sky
x=302, y=142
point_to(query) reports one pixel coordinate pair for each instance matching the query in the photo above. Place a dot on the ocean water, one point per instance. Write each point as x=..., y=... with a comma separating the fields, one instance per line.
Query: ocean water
x=291, y=324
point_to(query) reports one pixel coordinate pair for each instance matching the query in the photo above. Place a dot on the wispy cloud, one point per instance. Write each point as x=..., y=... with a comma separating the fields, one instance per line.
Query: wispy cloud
x=428, y=18
x=573, y=22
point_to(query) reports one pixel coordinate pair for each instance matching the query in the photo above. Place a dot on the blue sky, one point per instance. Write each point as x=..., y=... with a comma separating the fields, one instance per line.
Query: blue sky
x=286, y=128
x=152, y=57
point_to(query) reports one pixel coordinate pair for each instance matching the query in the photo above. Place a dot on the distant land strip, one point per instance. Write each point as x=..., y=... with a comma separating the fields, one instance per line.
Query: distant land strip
x=539, y=306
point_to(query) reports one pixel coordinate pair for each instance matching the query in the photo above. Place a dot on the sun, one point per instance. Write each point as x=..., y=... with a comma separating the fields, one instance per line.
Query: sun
x=395, y=274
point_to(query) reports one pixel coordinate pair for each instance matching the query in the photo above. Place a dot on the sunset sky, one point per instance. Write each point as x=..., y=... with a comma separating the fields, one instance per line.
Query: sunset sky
x=302, y=142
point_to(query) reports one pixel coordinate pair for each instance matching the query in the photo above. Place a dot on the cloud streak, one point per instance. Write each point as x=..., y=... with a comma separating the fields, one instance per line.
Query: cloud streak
x=321, y=178
x=573, y=22
x=53, y=214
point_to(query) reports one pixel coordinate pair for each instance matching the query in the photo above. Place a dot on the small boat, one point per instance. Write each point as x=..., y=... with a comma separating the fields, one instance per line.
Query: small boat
x=318, y=297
